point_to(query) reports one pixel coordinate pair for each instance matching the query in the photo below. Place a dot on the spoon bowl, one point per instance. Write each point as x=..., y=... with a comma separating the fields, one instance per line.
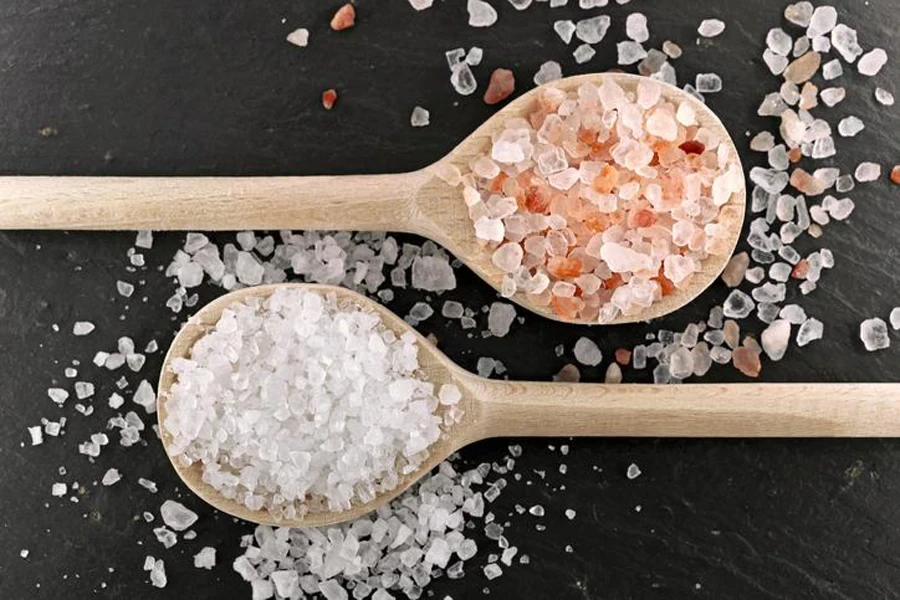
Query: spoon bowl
x=494, y=408
x=418, y=202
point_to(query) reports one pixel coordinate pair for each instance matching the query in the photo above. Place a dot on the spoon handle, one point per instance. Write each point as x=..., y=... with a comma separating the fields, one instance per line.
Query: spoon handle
x=780, y=410
x=360, y=202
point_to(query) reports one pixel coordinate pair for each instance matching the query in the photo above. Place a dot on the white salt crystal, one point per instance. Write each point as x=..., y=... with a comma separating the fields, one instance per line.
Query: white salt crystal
x=831, y=96
x=500, y=318
x=520, y=4
x=549, y=71
x=633, y=471
x=711, y=28
x=83, y=389
x=799, y=13
x=776, y=64
x=884, y=97
x=158, y=574
x=708, y=83
x=124, y=288
x=844, y=40
x=206, y=559
x=299, y=37
x=58, y=489
x=452, y=309
x=811, y=330
x=592, y=30
x=636, y=27
x=850, y=126
x=565, y=30
x=145, y=396
x=111, y=477
x=82, y=328
x=583, y=53
x=630, y=52
x=867, y=171
x=895, y=318
x=418, y=5
x=420, y=117
x=432, y=274
x=177, y=515
x=587, y=352
x=420, y=311
x=823, y=20
x=23, y=553
x=775, y=338
x=570, y=514
x=738, y=305
x=874, y=334
x=37, y=435
x=832, y=70
x=871, y=62
x=492, y=571
x=779, y=42
x=481, y=14
x=144, y=239
x=248, y=269
x=147, y=484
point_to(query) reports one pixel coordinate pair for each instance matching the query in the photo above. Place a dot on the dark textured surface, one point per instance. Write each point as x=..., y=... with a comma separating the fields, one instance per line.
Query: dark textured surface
x=210, y=87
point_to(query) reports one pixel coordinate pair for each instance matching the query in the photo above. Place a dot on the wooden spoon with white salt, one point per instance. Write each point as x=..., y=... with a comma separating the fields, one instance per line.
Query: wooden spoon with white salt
x=493, y=408
x=418, y=202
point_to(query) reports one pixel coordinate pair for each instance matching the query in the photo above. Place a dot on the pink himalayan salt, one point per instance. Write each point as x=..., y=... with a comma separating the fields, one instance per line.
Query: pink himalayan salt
x=746, y=360
x=501, y=86
x=803, y=68
x=614, y=192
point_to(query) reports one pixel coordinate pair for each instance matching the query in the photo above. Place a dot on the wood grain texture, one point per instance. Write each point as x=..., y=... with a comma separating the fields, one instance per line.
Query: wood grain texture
x=494, y=408
x=416, y=202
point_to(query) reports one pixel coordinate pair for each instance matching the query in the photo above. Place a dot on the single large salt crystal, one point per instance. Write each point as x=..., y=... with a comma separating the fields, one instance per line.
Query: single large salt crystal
x=867, y=171
x=661, y=124
x=871, y=62
x=299, y=37
x=548, y=71
x=501, y=86
x=587, y=352
x=803, y=68
x=874, y=334
x=733, y=274
x=592, y=30
x=481, y=14
x=711, y=28
x=621, y=259
x=636, y=27
x=775, y=339
x=822, y=20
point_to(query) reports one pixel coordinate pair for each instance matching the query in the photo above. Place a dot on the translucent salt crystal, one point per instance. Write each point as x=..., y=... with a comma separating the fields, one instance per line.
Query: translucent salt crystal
x=81, y=328
x=420, y=311
x=613, y=374
x=633, y=471
x=299, y=37
x=549, y=71
x=823, y=148
x=803, y=68
x=520, y=5
x=823, y=20
x=832, y=70
x=454, y=57
x=432, y=274
x=111, y=477
x=710, y=28
x=630, y=52
x=895, y=318
x=587, y=352
x=793, y=313
x=621, y=259
x=583, y=53
x=738, y=305
x=481, y=14
x=831, y=96
x=775, y=62
x=768, y=179
x=83, y=389
x=492, y=571
x=36, y=434
x=884, y=97
x=124, y=288
x=779, y=42
x=500, y=318
x=452, y=309
x=474, y=56
x=708, y=83
x=681, y=363
x=420, y=117
x=418, y=5
x=867, y=171
x=821, y=44
x=762, y=142
x=775, y=339
x=158, y=574
x=874, y=334
x=592, y=30
x=811, y=330
x=206, y=559
x=636, y=27
x=850, y=126
x=653, y=63
x=58, y=395
x=145, y=396
x=801, y=46
x=799, y=13
x=565, y=30
x=661, y=124
x=508, y=257
x=462, y=79
x=844, y=40
x=871, y=62
x=671, y=49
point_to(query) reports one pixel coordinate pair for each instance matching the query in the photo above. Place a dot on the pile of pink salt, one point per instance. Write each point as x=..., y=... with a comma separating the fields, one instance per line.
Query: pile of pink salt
x=602, y=201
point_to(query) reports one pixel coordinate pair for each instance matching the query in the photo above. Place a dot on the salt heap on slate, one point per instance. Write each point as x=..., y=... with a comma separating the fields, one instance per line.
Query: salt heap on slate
x=293, y=403
x=602, y=201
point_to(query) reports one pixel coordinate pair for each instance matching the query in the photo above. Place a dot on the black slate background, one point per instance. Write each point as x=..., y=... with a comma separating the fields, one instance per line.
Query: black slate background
x=210, y=87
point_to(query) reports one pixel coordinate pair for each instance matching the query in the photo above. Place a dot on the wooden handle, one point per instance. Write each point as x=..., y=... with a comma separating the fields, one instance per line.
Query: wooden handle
x=778, y=410
x=359, y=202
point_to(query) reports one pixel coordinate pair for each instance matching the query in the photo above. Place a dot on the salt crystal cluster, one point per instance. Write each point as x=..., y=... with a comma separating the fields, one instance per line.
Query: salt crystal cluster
x=294, y=403
x=603, y=200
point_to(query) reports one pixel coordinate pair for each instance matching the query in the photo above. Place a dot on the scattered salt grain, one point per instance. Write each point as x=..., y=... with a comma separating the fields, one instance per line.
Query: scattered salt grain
x=158, y=574
x=299, y=37
x=775, y=339
x=58, y=489
x=633, y=471
x=144, y=240
x=206, y=559
x=481, y=14
x=822, y=21
x=145, y=396
x=565, y=30
x=177, y=515
x=584, y=53
x=420, y=117
x=874, y=334
x=111, y=477
x=82, y=328
x=871, y=62
x=630, y=52
x=799, y=13
x=147, y=484
x=711, y=28
x=587, y=352
x=36, y=434
x=850, y=126
x=884, y=97
x=811, y=330
x=832, y=70
x=636, y=27
x=548, y=71
x=500, y=318
x=592, y=30
x=895, y=318
x=867, y=171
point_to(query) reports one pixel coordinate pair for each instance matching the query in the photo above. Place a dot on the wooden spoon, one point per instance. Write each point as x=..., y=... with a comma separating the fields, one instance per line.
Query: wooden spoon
x=521, y=409
x=418, y=202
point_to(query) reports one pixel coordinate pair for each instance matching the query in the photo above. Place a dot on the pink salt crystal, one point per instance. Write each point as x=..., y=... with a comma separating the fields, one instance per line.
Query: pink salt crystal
x=733, y=274
x=661, y=124
x=501, y=86
x=803, y=68
x=508, y=257
x=746, y=360
x=569, y=374
x=808, y=95
x=732, y=333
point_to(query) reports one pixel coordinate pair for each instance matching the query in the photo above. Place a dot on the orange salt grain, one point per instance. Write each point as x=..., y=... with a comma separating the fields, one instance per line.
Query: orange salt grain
x=501, y=86
x=606, y=180
x=567, y=308
x=666, y=287
x=641, y=218
x=329, y=97
x=537, y=200
x=561, y=267
x=800, y=269
x=895, y=174
x=613, y=282
x=596, y=223
x=795, y=155
x=344, y=18
x=692, y=147
x=497, y=184
x=623, y=356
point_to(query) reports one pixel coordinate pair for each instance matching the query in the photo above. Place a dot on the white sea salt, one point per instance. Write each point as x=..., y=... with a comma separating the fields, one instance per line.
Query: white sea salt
x=822, y=21
x=565, y=30
x=867, y=171
x=362, y=417
x=299, y=37
x=850, y=126
x=548, y=71
x=633, y=471
x=418, y=5
x=36, y=434
x=111, y=477
x=587, y=352
x=895, y=318
x=144, y=240
x=884, y=97
x=58, y=489
x=583, y=53
x=176, y=515
x=206, y=559
x=481, y=14
x=592, y=30
x=874, y=334
x=420, y=117
x=711, y=28
x=81, y=328
x=811, y=330
x=636, y=27
x=871, y=62
x=500, y=318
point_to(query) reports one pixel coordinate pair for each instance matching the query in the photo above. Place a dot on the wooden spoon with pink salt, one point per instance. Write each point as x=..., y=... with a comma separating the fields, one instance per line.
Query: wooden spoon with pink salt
x=601, y=198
